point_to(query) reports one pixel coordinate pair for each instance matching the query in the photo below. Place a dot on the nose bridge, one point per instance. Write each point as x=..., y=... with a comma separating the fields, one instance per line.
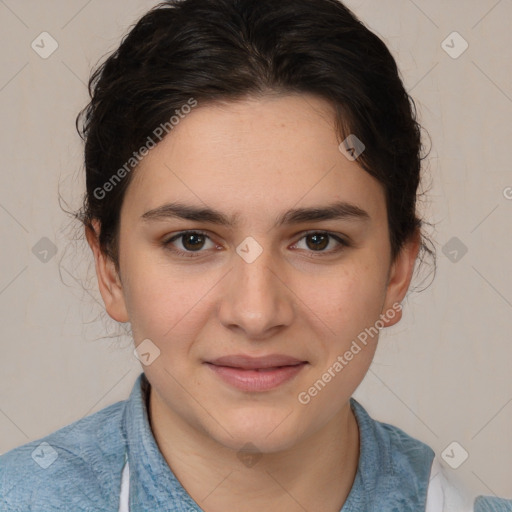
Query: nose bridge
x=256, y=299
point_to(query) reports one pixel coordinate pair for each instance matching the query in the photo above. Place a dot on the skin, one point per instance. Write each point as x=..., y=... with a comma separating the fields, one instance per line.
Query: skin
x=258, y=158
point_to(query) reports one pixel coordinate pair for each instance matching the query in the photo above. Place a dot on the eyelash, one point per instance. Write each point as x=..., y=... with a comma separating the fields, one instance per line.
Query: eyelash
x=194, y=254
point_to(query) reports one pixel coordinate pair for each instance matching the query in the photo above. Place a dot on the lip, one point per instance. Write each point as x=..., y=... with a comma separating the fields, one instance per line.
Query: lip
x=245, y=362
x=256, y=374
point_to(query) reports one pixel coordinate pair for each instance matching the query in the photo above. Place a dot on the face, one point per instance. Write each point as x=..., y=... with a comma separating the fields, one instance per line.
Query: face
x=250, y=303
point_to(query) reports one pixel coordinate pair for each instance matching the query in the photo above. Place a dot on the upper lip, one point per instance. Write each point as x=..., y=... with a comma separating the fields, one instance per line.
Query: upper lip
x=251, y=363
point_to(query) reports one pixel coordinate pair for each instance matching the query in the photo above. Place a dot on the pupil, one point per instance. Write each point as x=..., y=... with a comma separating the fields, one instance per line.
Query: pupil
x=193, y=245
x=317, y=237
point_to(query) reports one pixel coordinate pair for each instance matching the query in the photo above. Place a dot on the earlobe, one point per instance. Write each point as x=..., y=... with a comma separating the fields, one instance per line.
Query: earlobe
x=399, y=279
x=109, y=283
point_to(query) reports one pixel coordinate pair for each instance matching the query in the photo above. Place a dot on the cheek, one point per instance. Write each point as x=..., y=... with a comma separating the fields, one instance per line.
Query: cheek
x=163, y=305
x=347, y=302
x=150, y=297
x=350, y=307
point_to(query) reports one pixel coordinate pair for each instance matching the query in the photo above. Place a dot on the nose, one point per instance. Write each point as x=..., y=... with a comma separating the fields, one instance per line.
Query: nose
x=255, y=297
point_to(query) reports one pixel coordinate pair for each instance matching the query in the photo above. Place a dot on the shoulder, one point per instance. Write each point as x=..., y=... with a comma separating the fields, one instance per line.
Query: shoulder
x=77, y=467
x=491, y=504
x=447, y=494
x=403, y=473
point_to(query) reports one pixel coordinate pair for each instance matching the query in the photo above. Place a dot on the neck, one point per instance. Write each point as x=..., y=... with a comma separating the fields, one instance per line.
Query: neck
x=315, y=474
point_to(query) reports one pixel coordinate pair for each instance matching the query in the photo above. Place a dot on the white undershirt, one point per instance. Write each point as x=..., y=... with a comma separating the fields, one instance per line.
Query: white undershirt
x=441, y=495
x=125, y=489
x=444, y=496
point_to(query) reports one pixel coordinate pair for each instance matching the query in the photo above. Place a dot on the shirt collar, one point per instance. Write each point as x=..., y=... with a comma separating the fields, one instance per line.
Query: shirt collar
x=393, y=469
x=153, y=485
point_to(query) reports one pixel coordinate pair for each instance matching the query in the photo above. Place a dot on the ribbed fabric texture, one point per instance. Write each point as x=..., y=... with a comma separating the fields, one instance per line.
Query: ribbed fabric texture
x=490, y=504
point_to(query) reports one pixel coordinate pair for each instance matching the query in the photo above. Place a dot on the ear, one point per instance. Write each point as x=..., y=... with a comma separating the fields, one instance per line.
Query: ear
x=399, y=279
x=109, y=283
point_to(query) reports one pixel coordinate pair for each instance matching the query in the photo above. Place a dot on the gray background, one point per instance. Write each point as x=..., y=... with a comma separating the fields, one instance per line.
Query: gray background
x=442, y=374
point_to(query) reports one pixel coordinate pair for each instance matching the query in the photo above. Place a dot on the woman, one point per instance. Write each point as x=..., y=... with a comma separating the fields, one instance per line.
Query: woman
x=252, y=169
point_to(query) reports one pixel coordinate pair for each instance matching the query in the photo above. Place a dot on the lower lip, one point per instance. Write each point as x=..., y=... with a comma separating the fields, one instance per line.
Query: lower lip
x=254, y=380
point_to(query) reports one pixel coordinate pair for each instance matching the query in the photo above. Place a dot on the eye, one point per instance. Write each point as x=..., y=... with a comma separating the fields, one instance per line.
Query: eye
x=317, y=241
x=191, y=241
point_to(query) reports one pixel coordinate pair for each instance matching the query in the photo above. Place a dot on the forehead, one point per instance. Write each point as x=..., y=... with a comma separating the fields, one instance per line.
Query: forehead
x=253, y=157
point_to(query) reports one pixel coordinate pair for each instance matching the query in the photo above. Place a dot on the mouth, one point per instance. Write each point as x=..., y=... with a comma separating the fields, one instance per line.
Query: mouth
x=256, y=374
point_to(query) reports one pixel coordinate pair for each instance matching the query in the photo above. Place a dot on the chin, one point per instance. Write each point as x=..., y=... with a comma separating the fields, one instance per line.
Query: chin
x=263, y=431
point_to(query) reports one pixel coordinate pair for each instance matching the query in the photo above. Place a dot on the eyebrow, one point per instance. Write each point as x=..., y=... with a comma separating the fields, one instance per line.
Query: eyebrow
x=340, y=210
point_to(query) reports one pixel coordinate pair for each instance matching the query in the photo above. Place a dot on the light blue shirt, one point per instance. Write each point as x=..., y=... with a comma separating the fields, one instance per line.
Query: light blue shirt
x=79, y=467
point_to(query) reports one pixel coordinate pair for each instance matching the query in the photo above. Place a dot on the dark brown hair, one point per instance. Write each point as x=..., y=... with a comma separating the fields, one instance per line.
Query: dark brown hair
x=222, y=50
